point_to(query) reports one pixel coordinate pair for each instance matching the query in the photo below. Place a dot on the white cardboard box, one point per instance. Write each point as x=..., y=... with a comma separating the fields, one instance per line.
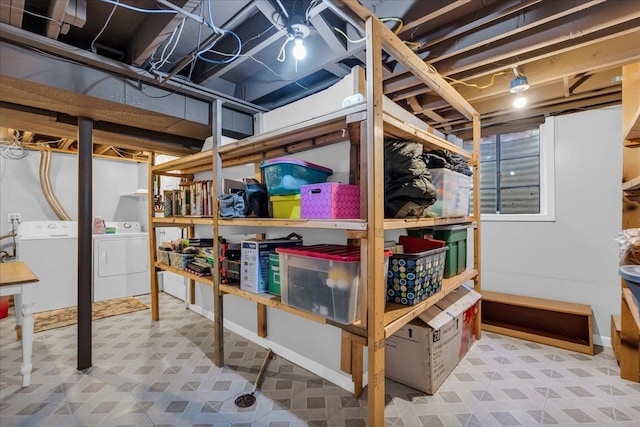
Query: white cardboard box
x=254, y=258
x=424, y=352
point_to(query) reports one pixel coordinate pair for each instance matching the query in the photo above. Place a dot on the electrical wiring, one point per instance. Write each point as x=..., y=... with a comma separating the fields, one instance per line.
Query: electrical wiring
x=311, y=6
x=210, y=23
x=398, y=20
x=411, y=44
x=163, y=60
x=226, y=61
x=282, y=55
x=137, y=9
x=14, y=149
x=493, y=77
x=339, y=31
x=104, y=27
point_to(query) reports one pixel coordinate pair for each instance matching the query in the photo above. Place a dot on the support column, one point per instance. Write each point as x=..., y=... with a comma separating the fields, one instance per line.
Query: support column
x=85, y=236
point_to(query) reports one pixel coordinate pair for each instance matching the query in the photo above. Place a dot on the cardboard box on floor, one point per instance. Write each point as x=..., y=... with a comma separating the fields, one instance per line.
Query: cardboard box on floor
x=424, y=352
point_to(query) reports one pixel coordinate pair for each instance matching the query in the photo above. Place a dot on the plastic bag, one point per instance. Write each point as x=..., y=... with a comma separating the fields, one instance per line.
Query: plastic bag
x=629, y=241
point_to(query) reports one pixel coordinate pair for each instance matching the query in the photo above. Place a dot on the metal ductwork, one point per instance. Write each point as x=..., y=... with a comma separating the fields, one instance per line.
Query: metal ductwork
x=47, y=190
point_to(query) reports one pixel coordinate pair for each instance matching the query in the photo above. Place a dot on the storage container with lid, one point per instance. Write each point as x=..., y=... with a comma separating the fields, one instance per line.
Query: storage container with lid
x=322, y=279
x=285, y=175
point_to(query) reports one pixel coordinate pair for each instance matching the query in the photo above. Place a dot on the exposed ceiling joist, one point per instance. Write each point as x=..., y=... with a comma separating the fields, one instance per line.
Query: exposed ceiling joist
x=11, y=12
x=154, y=32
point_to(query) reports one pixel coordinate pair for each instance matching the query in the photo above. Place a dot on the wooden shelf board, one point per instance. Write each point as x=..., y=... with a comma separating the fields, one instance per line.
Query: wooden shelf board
x=333, y=224
x=192, y=161
x=396, y=315
x=181, y=221
x=270, y=301
x=633, y=308
x=308, y=129
x=201, y=279
x=632, y=132
x=400, y=129
x=336, y=224
x=400, y=223
x=632, y=184
x=537, y=303
x=535, y=336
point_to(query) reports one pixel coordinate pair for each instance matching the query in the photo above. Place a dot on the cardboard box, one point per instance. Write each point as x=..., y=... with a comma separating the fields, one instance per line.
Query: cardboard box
x=424, y=352
x=254, y=258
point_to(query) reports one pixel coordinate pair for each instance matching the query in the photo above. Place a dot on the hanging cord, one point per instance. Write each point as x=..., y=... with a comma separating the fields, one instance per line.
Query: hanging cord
x=4, y=255
x=164, y=59
x=282, y=55
x=93, y=42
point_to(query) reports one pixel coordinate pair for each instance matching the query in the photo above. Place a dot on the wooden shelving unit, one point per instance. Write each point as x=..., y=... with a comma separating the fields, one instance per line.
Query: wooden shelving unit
x=365, y=125
x=629, y=350
x=557, y=323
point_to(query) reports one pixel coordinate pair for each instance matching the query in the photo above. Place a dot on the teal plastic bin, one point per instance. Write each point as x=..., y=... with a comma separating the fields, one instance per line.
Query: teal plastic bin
x=455, y=237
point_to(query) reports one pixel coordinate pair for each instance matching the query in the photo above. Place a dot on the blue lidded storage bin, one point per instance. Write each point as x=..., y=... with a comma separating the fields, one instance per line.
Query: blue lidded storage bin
x=285, y=175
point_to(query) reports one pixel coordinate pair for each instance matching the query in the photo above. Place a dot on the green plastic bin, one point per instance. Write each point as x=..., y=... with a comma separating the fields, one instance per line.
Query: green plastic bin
x=456, y=238
x=274, y=274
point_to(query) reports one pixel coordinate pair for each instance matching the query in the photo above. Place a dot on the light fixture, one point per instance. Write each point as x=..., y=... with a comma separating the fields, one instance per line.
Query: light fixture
x=520, y=101
x=299, y=51
x=297, y=31
x=518, y=86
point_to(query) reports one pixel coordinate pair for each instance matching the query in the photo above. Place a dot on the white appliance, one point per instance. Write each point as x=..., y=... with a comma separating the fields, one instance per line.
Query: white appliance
x=50, y=249
x=121, y=262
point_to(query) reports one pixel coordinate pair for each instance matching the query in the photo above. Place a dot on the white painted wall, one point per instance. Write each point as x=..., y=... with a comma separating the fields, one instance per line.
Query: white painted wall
x=113, y=183
x=573, y=259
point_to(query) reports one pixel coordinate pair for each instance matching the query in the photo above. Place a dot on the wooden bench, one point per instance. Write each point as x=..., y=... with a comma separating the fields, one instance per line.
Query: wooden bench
x=556, y=323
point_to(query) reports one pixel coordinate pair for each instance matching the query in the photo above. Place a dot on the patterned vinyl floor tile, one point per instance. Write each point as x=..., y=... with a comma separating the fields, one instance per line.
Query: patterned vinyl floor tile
x=150, y=373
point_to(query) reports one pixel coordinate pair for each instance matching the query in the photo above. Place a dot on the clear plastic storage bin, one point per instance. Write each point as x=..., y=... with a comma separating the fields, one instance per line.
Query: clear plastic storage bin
x=453, y=193
x=322, y=279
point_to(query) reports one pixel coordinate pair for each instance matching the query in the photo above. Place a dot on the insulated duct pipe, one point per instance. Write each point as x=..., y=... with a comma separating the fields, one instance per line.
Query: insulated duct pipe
x=45, y=183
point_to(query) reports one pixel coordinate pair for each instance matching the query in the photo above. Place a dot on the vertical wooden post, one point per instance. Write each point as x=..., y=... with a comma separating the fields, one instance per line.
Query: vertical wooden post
x=375, y=216
x=155, y=289
x=476, y=213
x=218, y=314
x=262, y=320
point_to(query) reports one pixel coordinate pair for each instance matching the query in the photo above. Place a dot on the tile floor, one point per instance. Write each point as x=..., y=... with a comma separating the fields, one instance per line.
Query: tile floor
x=149, y=373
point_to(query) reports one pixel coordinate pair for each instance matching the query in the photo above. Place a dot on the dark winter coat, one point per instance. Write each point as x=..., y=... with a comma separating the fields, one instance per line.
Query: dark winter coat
x=407, y=181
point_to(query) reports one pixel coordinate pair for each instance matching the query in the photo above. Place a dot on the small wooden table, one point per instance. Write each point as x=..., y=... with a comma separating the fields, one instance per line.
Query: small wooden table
x=18, y=280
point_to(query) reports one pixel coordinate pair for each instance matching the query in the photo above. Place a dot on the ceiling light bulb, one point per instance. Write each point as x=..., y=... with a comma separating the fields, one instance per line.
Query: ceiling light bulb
x=299, y=51
x=520, y=101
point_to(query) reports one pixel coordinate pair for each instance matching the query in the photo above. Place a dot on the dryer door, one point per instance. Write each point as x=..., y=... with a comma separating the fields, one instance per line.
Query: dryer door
x=122, y=256
x=120, y=267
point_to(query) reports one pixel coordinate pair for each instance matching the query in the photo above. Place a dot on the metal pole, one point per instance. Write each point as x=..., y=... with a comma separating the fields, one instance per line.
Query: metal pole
x=85, y=235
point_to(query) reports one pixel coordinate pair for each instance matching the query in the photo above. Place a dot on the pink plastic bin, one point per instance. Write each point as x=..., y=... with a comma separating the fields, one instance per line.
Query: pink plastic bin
x=330, y=200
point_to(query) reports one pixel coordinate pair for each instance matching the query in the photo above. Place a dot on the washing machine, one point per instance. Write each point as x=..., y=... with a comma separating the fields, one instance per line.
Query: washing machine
x=50, y=249
x=121, y=265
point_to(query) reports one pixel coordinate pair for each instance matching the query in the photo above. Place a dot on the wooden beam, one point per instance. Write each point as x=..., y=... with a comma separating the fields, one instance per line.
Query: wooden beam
x=425, y=73
x=433, y=15
x=100, y=149
x=57, y=11
x=532, y=46
x=11, y=12
x=376, y=280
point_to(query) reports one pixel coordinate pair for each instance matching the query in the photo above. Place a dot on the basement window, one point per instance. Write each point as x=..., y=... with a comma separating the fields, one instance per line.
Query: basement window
x=516, y=175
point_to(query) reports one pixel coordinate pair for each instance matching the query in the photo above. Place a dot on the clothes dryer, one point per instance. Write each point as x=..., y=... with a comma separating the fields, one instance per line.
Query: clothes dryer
x=121, y=265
